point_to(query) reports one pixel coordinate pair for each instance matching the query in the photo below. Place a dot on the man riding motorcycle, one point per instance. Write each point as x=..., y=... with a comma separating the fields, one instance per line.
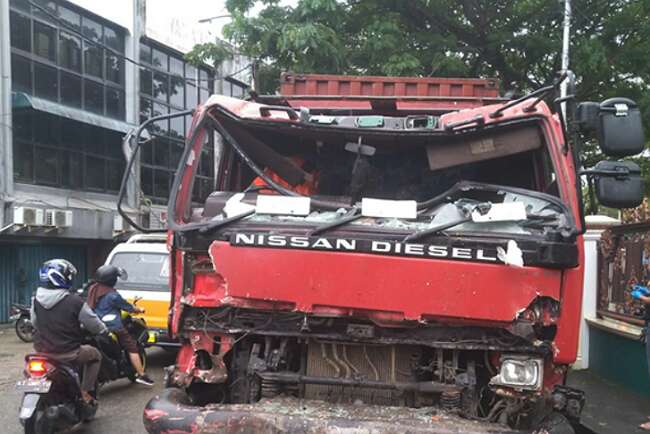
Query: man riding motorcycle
x=58, y=316
x=108, y=303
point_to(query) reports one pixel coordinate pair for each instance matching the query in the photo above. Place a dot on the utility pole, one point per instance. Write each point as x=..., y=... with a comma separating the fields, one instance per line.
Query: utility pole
x=566, y=36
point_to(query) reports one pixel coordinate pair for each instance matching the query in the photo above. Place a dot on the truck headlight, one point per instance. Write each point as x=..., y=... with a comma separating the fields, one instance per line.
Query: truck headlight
x=519, y=372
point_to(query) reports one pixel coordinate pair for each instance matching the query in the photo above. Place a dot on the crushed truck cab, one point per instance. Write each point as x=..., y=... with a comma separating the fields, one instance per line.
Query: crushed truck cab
x=378, y=253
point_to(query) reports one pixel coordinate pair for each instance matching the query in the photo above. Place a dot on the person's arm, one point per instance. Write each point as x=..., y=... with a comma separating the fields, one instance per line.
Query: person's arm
x=32, y=314
x=91, y=321
x=645, y=299
x=122, y=304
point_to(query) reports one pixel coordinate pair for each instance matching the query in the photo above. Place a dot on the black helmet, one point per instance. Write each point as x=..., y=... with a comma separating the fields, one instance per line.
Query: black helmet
x=108, y=274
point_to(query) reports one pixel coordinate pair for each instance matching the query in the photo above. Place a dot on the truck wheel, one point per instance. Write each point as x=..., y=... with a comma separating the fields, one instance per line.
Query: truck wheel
x=555, y=423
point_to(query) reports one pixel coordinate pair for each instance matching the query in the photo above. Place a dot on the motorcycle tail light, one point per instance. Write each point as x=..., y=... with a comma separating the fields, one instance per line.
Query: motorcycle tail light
x=37, y=367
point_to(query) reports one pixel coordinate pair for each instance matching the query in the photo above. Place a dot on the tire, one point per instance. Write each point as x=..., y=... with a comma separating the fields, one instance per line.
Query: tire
x=143, y=358
x=24, y=329
x=39, y=423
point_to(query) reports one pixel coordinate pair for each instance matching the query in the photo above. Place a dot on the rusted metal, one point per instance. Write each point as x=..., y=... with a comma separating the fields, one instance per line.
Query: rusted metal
x=170, y=412
x=346, y=85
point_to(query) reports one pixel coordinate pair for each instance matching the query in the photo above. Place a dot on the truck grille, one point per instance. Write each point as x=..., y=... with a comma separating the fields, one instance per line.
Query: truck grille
x=386, y=363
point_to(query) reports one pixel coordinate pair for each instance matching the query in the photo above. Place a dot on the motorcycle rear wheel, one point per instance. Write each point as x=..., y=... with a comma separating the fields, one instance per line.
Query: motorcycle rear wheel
x=24, y=329
x=39, y=423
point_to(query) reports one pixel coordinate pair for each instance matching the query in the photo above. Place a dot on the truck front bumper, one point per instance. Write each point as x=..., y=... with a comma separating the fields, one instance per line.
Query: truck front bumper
x=170, y=412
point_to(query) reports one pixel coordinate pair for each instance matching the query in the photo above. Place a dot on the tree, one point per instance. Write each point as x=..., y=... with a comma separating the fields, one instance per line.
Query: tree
x=516, y=41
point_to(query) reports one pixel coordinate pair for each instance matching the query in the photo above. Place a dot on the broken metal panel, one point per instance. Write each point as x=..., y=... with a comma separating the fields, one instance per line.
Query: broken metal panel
x=171, y=412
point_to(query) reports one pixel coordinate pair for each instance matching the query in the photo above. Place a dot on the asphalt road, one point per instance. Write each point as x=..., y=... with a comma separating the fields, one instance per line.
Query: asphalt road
x=121, y=403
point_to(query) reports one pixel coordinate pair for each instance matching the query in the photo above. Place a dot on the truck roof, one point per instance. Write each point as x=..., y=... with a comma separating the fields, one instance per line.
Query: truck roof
x=326, y=93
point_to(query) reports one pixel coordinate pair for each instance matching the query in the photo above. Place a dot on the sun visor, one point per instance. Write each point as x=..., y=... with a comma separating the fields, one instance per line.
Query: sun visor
x=480, y=147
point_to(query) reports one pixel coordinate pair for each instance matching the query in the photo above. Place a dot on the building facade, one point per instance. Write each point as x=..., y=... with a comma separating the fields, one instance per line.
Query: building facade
x=74, y=82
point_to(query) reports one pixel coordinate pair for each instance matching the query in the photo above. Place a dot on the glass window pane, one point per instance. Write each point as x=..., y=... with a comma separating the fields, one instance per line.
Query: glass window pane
x=73, y=134
x=23, y=5
x=113, y=143
x=72, y=169
x=161, y=153
x=147, y=152
x=192, y=96
x=69, y=51
x=94, y=143
x=45, y=11
x=177, y=91
x=176, y=152
x=93, y=96
x=71, y=18
x=47, y=129
x=190, y=72
x=114, y=39
x=46, y=166
x=145, y=53
x=45, y=82
x=160, y=127
x=146, y=181
x=24, y=161
x=114, y=103
x=237, y=91
x=93, y=60
x=145, y=109
x=159, y=59
x=177, y=128
x=91, y=29
x=203, y=95
x=21, y=74
x=70, y=89
x=45, y=41
x=95, y=172
x=160, y=86
x=20, y=32
x=114, y=68
x=22, y=125
x=203, y=77
x=161, y=183
x=176, y=66
x=146, y=81
x=115, y=171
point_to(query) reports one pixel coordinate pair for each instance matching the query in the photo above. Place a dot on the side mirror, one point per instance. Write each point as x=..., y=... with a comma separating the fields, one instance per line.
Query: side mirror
x=618, y=183
x=617, y=123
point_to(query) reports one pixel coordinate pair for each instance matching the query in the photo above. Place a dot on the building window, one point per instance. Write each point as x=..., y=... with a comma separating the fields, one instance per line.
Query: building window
x=168, y=84
x=59, y=152
x=60, y=54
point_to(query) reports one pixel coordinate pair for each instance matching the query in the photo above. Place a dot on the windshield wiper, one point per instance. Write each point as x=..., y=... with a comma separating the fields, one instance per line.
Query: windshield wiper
x=212, y=226
x=466, y=212
x=350, y=216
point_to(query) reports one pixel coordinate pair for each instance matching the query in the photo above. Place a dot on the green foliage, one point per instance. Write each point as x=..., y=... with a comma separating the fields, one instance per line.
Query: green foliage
x=208, y=53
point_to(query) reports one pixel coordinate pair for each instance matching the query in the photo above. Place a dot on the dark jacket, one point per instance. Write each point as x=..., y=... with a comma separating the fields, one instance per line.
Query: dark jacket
x=109, y=308
x=58, y=315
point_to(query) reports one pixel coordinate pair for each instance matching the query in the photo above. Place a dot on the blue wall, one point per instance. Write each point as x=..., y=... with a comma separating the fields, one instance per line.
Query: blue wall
x=619, y=359
x=19, y=264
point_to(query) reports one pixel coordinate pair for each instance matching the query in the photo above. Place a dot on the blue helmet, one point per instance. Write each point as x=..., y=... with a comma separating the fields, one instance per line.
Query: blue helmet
x=57, y=274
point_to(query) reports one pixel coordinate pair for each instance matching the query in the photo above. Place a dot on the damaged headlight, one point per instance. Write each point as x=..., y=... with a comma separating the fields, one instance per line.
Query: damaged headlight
x=519, y=372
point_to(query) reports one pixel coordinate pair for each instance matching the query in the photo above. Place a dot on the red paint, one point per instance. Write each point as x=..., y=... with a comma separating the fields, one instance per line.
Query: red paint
x=315, y=280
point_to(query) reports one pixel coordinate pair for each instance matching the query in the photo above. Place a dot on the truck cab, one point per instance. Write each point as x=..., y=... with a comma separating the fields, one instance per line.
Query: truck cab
x=378, y=249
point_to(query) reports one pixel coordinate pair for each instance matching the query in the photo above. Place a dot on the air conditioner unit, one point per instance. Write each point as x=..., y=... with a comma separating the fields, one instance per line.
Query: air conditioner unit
x=58, y=218
x=119, y=225
x=29, y=216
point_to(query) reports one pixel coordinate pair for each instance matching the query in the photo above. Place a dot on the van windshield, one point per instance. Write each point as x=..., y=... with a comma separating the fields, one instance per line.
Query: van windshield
x=146, y=271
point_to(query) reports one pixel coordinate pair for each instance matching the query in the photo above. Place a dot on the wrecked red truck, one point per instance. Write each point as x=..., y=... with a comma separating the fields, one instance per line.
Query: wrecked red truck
x=385, y=254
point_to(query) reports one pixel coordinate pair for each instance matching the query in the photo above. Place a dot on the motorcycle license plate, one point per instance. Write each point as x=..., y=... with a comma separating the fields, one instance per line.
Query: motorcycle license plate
x=32, y=385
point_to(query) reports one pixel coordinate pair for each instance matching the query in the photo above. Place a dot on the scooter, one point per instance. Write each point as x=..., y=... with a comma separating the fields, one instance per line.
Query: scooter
x=52, y=390
x=19, y=315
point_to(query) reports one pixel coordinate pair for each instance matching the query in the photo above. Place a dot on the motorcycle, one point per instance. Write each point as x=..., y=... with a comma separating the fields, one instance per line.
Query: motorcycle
x=52, y=390
x=19, y=315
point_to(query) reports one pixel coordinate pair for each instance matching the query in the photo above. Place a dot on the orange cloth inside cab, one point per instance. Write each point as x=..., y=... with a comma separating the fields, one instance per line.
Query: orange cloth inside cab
x=307, y=188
